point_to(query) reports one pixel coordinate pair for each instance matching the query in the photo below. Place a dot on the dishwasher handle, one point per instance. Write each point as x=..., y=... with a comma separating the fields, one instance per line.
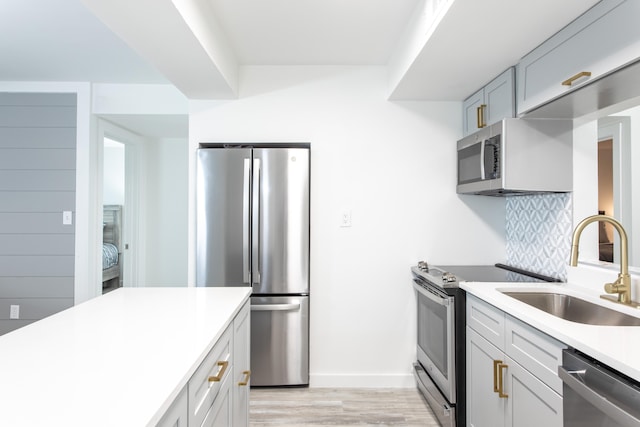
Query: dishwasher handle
x=276, y=307
x=572, y=380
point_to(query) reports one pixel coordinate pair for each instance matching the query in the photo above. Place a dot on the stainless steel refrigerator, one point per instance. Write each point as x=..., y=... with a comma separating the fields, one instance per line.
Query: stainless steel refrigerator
x=253, y=230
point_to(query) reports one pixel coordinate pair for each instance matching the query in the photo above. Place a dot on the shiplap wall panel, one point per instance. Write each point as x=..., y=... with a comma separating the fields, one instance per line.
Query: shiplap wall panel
x=38, y=158
x=35, y=287
x=41, y=117
x=25, y=137
x=12, y=325
x=38, y=244
x=38, y=201
x=36, y=99
x=37, y=265
x=33, y=223
x=33, y=308
x=37, y=180
x=37, y=183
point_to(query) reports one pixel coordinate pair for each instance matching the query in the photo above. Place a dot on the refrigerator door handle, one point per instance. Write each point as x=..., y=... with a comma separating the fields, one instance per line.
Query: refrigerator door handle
x=246, y=212
x=255, y=250
x=275, y=307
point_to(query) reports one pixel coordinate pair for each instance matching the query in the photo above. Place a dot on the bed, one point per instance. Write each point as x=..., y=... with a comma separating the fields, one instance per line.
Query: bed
x=112, y=247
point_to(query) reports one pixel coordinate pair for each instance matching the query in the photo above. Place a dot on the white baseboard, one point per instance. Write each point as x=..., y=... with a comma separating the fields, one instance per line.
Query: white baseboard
x=362, y=381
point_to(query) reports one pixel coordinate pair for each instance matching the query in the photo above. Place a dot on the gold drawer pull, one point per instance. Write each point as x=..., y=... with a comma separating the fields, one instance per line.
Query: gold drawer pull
x=247, y=375
x=495, y=375
x=480, y=116
x=501, y=392
x=570, y=80
x=223, y=368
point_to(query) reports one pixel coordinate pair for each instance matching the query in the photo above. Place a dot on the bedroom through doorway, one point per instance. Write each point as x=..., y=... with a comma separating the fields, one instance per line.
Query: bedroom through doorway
x=113, y=201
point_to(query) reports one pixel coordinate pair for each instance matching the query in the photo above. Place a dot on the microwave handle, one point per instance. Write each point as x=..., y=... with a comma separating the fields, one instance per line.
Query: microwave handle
x=482, y=171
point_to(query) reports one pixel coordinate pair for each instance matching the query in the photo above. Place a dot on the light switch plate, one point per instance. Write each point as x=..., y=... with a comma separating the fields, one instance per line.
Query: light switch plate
x=14, y=312
x=345, y=219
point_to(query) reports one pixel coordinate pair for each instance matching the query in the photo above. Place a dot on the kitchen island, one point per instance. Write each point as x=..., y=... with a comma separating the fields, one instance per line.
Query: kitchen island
x=121, y=359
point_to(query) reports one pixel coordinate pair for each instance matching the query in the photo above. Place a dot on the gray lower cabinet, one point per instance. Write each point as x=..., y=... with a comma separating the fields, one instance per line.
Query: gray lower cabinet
x=242, y=371
x=178, y=413
x=504, y=359
x=601, y=40
x=220, y=412
x=484, y=406
x=217, y=394
x=206, y=384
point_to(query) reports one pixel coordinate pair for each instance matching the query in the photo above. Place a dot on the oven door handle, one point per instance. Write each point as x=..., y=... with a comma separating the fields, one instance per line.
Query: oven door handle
x=441, y=300
x=572, y=380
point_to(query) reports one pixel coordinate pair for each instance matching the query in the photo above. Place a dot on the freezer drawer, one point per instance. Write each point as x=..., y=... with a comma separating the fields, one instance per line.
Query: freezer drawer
x=279, y=341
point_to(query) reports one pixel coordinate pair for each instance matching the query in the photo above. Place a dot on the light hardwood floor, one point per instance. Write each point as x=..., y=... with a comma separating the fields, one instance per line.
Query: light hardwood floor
x=271, y=407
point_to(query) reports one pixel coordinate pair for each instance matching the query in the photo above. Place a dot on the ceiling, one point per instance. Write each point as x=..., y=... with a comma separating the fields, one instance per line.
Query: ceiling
x=60, y=40
x=199, y=45
x=313, y=32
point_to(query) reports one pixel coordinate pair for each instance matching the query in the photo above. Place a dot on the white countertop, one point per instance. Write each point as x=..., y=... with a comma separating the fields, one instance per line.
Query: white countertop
x=116, y=360
x=616, y=346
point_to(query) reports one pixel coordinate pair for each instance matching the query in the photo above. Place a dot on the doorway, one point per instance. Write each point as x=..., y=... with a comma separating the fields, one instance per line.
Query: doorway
x=113, y=205
x=119, y=180
x=605, y=199
x=614, y=182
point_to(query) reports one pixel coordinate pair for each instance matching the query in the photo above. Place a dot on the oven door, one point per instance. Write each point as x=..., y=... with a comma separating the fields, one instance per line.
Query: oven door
x=436, y=337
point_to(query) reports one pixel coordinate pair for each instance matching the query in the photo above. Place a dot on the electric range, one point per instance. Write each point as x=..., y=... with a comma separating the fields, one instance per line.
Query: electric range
x=440, y=370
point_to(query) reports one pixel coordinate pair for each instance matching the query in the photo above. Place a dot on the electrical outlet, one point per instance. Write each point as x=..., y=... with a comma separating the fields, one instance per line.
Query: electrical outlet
x=14, y=312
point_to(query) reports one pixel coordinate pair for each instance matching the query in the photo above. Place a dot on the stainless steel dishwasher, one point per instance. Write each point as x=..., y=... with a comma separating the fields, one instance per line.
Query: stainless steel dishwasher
x=595, y=395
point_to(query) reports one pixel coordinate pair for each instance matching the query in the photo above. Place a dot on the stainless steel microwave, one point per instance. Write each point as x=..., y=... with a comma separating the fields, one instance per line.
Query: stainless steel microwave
x=517, y=156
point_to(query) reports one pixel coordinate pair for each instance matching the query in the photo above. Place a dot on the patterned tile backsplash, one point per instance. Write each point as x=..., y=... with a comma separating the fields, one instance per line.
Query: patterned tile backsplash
x=538, y=233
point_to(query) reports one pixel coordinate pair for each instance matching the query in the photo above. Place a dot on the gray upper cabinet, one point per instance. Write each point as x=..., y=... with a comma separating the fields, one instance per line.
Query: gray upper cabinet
x=603, y=39
x=489, y=105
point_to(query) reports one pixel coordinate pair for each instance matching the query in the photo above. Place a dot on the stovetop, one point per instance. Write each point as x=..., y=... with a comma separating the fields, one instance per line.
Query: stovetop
x=450, y=276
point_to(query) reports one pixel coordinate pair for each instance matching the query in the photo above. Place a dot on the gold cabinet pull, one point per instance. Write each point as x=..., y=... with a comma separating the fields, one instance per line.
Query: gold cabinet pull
x=247, y=375
x=501, y=392
x=570, y=80
x=495, y=375
x=480, y=116
x=223, y=367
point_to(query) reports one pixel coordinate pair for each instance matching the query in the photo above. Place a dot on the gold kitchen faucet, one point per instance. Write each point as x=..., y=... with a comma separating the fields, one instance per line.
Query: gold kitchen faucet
x=622, y=285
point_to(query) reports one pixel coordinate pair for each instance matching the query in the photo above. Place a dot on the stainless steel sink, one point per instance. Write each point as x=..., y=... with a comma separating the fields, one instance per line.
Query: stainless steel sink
x=574, y=309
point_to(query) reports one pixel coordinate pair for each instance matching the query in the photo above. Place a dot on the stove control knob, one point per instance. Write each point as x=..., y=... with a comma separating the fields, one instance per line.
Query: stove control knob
x=423, y=266
x=448, y=277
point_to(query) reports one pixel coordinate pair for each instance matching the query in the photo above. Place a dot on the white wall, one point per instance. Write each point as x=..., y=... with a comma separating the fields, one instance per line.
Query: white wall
x=585, y=179
x=634, y=114
x=393, y=165
x=166, y=205
x=113, y=180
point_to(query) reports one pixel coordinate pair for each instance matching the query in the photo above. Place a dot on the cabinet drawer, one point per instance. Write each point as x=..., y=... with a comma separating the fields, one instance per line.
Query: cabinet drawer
x=604, y=38
x=176, y=415
x=206, y=382
x=219, y=415
x=487, y=320
x=537, y=352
